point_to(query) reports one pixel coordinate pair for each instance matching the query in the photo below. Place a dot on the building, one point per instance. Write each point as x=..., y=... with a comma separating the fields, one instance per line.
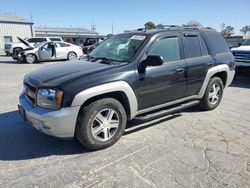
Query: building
x=78, y=36
x=12, y=26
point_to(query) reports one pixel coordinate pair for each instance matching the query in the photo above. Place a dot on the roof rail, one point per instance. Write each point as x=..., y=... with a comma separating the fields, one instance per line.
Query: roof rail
x=191, y=27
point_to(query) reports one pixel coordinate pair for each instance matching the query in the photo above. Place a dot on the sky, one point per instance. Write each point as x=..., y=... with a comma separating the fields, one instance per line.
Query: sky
x=130, y=14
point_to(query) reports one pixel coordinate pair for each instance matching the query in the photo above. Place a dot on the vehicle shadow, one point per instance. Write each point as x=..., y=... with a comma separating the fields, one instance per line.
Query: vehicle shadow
x=9, y=62
x=20, y=141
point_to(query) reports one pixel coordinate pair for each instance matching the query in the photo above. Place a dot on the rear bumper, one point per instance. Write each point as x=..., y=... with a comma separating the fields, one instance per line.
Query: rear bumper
x=59, y=123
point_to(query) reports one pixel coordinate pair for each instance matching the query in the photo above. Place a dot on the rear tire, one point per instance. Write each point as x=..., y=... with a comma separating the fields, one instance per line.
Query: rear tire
x=101, y=123
x=213, y=94
x=72, y=56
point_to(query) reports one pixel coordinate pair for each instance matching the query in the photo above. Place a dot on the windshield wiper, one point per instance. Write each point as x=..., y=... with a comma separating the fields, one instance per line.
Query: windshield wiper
x=110, y=61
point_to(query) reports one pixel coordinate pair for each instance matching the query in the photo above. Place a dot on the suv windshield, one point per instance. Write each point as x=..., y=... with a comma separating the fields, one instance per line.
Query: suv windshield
x=247, y=43
x=119, y=48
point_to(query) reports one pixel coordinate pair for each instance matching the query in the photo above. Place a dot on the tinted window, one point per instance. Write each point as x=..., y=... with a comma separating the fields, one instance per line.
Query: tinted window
x=7, y=39
x=55, y=39
x=64, y=45
x=203, y=47
x=41, y=39
x=32, y=40
x=168, y=48
x=193, y=46
x=218, y=43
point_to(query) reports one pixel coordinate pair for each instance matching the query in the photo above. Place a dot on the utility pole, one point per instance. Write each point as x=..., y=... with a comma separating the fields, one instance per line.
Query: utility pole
x=93, y=27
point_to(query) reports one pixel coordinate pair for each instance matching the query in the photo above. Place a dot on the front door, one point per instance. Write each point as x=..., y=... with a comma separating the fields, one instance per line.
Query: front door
x=165, y=83
x=46, y=52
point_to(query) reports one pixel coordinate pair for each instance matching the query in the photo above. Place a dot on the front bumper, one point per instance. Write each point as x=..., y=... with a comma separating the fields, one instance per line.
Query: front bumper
x=242, y=64
x=59, y=123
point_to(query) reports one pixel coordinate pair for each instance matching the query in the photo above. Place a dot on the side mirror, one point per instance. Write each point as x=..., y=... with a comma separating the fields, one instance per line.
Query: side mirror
x=151, y=60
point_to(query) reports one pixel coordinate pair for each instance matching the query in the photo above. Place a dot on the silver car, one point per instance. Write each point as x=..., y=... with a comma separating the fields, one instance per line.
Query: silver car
x=49, y=51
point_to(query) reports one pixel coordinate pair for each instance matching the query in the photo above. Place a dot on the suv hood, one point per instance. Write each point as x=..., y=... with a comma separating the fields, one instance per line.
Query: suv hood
x=56, y=74
x=241, y=48
x=24, y=42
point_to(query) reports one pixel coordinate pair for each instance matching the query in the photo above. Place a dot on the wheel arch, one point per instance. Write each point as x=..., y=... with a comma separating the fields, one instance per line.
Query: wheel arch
x=118, y=95
x=71, y=52
x=119, y=90
x=222, y=75
x=221, y=71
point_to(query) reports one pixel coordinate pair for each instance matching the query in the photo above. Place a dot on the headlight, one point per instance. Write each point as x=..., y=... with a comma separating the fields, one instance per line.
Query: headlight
x=49, y=98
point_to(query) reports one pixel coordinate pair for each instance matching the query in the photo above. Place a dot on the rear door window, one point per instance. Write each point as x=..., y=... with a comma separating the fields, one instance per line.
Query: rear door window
x=193, y=47
x=64, y=44
x=203, y=47
x=168, y=48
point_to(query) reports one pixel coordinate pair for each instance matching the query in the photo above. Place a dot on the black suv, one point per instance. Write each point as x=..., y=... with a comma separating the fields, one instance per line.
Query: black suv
x=137, y=75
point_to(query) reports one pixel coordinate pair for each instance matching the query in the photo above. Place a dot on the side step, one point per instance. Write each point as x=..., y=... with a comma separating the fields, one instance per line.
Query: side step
x=165, y=112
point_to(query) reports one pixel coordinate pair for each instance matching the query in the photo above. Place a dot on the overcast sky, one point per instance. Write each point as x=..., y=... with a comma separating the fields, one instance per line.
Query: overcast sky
x=130, y=14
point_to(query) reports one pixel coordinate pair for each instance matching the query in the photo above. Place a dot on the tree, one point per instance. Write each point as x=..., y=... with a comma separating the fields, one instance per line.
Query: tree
x=160, y=26
x=245, y=30
x=227, y=31
x=193, y=23
x=149, y=25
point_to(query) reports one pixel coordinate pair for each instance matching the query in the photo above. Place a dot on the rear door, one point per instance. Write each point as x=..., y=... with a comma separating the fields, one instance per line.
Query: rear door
x=198, y=61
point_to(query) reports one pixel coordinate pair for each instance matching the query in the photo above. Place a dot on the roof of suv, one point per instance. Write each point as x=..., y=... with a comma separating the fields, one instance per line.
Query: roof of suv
x=173, y=28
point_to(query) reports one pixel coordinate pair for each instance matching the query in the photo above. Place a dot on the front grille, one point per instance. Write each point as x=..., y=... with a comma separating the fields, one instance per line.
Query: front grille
x=30, y=92
x=242, y=57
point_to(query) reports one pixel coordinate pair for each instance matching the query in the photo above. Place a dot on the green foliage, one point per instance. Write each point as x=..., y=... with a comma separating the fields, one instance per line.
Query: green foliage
x=149, y=25
x=227, y=31
x=245, y=30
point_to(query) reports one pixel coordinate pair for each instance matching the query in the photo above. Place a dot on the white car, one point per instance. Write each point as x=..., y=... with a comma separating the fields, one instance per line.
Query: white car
x=242, y=54
x=13, y=49
x=47, y=51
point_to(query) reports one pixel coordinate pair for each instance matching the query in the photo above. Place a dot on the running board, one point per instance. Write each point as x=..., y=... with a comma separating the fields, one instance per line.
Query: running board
x=165, y=112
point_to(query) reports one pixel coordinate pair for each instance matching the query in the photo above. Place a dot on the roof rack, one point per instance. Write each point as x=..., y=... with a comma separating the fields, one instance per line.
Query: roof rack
x=187, y=27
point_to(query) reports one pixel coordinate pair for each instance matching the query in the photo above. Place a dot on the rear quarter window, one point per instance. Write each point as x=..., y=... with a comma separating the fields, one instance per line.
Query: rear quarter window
x=218, y=43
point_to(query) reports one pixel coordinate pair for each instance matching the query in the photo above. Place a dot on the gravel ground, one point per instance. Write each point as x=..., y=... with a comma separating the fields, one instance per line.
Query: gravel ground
x=190, y=149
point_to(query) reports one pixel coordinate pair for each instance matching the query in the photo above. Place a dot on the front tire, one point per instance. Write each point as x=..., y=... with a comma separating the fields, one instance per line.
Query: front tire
x=101, y=123
x=30, y=58
x=15, y=53
x=213, y=94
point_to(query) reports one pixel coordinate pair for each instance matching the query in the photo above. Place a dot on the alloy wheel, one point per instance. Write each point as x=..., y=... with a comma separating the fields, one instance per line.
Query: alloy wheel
x=214, y=94
x=105, y=124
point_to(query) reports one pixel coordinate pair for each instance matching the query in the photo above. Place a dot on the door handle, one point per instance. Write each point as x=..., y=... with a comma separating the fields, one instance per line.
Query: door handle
x=180, y=70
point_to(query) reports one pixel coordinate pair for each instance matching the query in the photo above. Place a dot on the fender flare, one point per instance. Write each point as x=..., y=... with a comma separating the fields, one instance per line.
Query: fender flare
x=212, y=71
x=123, y=86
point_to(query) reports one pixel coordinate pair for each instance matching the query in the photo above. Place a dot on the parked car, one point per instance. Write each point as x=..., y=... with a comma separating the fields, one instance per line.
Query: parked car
x=49, y=51
x=14, y=49
x=242, y=54
x=154, y=73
